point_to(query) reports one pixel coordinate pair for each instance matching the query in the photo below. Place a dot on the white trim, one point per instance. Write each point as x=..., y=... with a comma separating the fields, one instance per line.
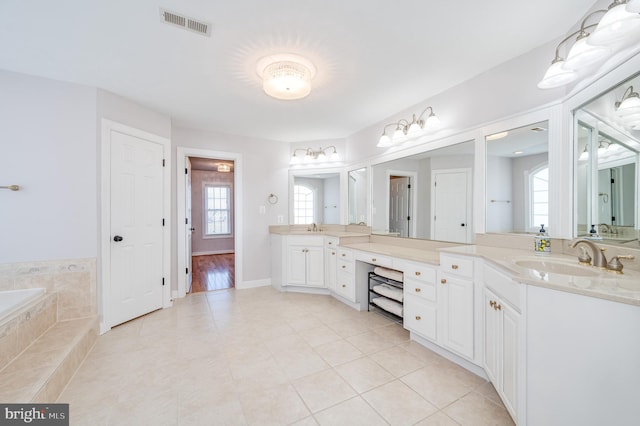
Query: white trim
x=208, y=253
x=182, y=154
x=108, y=126
x=265, y=282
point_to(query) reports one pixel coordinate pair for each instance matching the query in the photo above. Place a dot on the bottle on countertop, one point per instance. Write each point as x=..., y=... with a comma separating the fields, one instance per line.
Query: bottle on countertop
x=542, y=242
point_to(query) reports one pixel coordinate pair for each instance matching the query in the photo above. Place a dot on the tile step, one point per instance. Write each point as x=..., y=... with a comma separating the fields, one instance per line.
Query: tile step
x=41, y=371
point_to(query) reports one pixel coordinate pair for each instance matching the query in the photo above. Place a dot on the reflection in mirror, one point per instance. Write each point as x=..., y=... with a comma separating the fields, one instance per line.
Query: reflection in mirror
x=358, y=196
x=426, y=195
x=518, y=179
x=607, y=148
x=316, y=199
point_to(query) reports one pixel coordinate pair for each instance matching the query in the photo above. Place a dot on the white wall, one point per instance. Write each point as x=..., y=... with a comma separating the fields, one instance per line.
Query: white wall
x=48, y=147
x=264, y=171
x=500, y=189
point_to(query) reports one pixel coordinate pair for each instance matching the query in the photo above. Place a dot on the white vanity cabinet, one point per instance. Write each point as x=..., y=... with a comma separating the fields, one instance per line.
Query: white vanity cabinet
x=331, y=262
x=456, y=304
x=345, y=275
x=305, y=261
x=420, y=299
x=502, y=319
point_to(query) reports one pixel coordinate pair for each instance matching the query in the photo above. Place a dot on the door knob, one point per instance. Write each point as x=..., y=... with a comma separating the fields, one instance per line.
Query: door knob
x=192, y=229
x=117, y=238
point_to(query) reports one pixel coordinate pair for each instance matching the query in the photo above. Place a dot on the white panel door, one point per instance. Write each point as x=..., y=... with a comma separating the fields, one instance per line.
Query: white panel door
x=188, y=224
x=457, y=309
x=400, y=205
x=136, y=227
x=451, y=205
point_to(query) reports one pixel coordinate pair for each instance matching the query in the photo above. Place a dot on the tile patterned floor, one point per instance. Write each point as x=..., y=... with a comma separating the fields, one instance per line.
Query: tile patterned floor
x=260, y=357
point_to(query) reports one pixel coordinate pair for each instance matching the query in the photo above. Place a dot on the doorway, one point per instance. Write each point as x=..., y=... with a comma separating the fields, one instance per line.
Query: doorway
x=402, y=203
x=209, y=230
x=209, y=206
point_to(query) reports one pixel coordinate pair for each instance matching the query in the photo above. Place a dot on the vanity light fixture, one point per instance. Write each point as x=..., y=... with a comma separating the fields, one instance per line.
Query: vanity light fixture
x=628, y=109
x=312, y=156
x=404, y=128
x=584, y=156
x=617, y=28
x=286, y=76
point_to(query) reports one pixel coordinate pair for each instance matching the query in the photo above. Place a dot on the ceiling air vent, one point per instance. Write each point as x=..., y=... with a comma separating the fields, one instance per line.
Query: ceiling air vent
x=185, y=22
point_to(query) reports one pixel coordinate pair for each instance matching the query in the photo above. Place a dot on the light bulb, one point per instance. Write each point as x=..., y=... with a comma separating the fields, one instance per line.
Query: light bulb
x=432, y=121
x=414, y=128
x=398, y=134
x=335, y=156
x=583, y=54
x=384, y=141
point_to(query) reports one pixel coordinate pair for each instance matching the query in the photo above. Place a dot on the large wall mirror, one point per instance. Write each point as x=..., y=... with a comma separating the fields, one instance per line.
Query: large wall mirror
x=427, y=195
x=517, y=179
x=607, y=142
x=358, y=197
x=314, y=198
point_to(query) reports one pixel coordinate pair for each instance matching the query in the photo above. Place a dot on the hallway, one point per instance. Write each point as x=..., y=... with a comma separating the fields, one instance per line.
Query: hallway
x=213, y=272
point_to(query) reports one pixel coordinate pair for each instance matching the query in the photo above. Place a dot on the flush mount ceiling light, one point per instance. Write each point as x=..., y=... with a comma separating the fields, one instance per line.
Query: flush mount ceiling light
x=224, y=168
x=404, y=128
x=286, y=76
x=616, y=29
x=497, y=136
x=312, y=156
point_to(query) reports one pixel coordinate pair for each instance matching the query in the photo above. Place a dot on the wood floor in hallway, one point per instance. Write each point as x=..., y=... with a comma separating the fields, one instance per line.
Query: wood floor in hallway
x=213, y=272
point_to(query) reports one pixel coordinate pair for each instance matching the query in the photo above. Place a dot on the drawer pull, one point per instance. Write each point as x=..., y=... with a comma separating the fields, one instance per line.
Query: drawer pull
x=344, y=266
x=454, y=266
x=333, y=253
x=443, y=281
x=418, y=273
x=330, y=243
x=344, y=285
x=373, y=259
x=499, y=307
x=418, y=317
x=418, y=289
x=344, y=254
x=492, y=303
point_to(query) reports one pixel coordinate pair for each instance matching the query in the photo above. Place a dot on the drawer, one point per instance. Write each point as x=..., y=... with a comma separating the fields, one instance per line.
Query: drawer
x=503, y=286
x=420, y=289
x=345, y=254
x=418, y=271
x=420, y=316
x=375, y=259
x=345, y=265
x=305, y=240
x=345, y=285
x=331, y=241
x=456, y=265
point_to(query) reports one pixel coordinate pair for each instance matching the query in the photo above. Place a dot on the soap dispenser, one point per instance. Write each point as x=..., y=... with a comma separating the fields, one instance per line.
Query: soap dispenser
x=542, y=242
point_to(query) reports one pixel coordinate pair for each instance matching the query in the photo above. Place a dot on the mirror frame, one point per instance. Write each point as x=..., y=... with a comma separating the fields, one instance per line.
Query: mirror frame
x=341, y=171
x=600, y=84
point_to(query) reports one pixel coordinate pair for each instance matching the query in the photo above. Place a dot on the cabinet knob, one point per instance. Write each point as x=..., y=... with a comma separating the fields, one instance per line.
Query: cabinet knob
x=418, y=289
x=454, y=266
x=443, y=281
x=418, y=273
x=418, y=317
x=344, y=255
x=499, y=307
x=373, y=259
x=344, y=266
x=492, y=303
x=330, y=243
x=333, y=253
x=344, y=285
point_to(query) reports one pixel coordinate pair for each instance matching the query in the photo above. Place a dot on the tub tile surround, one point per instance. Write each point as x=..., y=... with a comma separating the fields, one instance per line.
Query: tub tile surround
x=43, y=343
x=74, y=280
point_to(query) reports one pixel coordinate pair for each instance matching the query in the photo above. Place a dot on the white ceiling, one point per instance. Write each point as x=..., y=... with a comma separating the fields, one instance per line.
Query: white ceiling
x=374, y=57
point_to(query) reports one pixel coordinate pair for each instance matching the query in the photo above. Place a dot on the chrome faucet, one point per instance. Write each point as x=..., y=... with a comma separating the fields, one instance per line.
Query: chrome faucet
x=599, y=260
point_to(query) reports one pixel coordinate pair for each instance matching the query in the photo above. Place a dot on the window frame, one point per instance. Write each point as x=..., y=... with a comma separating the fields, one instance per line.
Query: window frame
x=312, y=191
x=205, y=210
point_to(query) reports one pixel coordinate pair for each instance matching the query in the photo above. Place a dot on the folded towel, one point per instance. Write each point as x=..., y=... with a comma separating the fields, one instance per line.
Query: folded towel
x=389, y=291
x=392, y=274
x=388, y=305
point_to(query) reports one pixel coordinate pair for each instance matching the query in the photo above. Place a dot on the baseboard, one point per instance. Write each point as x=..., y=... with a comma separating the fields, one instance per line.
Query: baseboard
x=462, y=362
x=253, y=284
x=207, y=253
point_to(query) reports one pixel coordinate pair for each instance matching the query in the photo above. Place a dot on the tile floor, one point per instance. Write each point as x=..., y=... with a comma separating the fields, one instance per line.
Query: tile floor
x=260, y=357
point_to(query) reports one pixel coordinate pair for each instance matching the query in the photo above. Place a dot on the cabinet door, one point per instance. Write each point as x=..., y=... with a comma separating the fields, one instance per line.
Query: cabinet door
x=331, y=262
x=315, y=266
x=296, y=265
x=345, y=285
x=509, y=355
x=491, y=333
x=457, y=314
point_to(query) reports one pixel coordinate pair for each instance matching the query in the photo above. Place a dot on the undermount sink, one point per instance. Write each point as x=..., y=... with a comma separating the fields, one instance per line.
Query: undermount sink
x=552, y=267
